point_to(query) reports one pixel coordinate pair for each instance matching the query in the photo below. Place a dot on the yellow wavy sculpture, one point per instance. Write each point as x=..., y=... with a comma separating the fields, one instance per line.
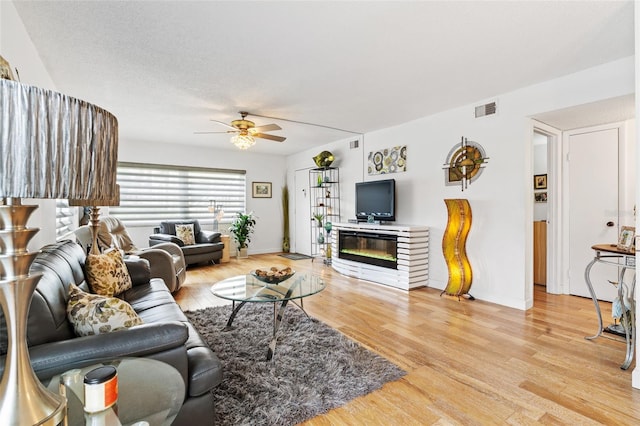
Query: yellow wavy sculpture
x=453, y=247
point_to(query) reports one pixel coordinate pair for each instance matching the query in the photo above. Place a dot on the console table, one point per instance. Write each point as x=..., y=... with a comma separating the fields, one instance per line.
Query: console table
x=412, y=269
x=610, y=254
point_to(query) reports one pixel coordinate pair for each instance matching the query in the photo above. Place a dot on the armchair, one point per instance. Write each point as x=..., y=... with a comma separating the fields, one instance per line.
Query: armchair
x=166, y=260
x=207, y=245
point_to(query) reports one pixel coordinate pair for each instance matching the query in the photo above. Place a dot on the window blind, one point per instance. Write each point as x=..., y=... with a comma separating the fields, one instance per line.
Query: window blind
x=150, y=193
x=64, y=218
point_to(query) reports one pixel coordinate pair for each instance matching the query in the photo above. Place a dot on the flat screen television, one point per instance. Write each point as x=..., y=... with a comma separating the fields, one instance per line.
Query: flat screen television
x=376, y=198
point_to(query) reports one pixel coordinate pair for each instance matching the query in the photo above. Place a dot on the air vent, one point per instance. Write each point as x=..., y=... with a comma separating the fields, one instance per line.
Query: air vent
x=486, y=109
x=354, y=144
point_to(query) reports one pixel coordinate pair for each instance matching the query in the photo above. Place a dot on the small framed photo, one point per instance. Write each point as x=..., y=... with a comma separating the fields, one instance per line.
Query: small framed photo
x=540, y=197
x=627, y=237
x=261, y=189
x=540, y=181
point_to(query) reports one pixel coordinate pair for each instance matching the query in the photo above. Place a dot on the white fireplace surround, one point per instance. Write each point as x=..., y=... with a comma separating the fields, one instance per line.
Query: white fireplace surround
x=413, y=256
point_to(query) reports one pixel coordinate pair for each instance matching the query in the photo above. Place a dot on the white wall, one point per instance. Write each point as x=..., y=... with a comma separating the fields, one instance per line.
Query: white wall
x=500, y=241
x=16, y=47
x=260, y=168
x=636, y=370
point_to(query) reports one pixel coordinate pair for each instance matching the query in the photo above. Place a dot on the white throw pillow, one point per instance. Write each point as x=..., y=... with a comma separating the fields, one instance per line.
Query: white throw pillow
x=185, y=233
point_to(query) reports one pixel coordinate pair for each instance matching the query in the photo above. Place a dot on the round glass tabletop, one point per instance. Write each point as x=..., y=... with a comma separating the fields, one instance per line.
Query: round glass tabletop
x=248, y=288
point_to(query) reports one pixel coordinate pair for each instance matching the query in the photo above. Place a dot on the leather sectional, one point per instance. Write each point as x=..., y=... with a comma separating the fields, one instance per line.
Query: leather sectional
x=166, y=334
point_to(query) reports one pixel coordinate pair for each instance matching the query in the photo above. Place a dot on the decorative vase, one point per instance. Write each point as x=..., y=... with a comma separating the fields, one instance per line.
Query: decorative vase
x=453, y=247
x=328, y=226
x=243, y=253
x=324, y=159
x=286, y=245
x=321, y=238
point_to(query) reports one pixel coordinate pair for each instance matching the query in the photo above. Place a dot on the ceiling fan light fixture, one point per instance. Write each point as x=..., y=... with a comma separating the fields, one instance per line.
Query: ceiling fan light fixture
x=243, y=141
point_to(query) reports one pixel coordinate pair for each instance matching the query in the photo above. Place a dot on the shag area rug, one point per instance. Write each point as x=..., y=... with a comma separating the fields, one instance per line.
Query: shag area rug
x=314, y=368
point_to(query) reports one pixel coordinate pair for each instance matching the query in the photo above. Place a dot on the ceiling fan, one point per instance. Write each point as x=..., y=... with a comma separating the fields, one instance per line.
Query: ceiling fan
x=244, y=128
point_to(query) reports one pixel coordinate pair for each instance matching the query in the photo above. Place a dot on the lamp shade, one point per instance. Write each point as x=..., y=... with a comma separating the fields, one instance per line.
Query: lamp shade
x=55, y=146
x=114, y=201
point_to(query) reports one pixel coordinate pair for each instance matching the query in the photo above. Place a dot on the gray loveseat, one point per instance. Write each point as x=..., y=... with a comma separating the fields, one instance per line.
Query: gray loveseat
x=166, y=334
x=207, y=248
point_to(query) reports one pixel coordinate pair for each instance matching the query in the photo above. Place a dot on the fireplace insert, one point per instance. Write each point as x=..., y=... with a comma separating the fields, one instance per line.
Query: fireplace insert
x=369, y=247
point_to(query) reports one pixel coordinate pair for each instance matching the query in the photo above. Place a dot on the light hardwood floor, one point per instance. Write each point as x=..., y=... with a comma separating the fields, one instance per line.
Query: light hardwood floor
x=467, y=362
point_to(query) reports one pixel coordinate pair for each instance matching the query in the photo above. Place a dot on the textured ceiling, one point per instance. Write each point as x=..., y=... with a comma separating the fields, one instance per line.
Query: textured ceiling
x=166, y=68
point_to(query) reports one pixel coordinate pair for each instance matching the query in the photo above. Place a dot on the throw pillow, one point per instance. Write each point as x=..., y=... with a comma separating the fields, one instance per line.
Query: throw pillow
x=107, y=274
x=185, y=233
x=94, y=314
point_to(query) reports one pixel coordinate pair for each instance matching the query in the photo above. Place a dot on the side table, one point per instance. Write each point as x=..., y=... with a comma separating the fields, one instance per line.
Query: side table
x=148, y=390
x=623, y=260
x=226, y=240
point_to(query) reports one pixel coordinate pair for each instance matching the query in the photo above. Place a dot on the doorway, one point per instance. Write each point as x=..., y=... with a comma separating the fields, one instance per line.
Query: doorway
x=585, y=195
x=540, y=210
x=302, y=225
x=546, y=193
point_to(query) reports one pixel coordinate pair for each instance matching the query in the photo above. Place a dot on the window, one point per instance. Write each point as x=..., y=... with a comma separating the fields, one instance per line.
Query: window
x=65, y=217
x=150, y=193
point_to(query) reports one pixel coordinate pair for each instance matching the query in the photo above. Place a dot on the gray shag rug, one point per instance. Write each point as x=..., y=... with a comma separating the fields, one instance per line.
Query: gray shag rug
x=314, y=368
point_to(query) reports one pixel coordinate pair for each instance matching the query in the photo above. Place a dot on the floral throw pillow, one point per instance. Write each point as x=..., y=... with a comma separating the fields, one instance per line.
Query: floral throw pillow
x=185, y=233
x=94, y=314
x=107, y=274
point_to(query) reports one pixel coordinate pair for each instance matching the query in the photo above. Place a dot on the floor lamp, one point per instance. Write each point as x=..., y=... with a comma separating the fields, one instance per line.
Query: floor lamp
x=217, y=211
x=51, y=146
x=94, y=215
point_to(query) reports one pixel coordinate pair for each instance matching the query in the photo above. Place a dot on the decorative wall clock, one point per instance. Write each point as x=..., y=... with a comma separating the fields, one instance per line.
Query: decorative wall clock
x=465, y=163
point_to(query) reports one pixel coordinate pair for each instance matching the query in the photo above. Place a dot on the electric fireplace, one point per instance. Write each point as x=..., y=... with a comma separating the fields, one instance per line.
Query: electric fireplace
x=367, y=247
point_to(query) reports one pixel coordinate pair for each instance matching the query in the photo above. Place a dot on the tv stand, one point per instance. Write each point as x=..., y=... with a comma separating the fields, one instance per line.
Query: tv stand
x=412, y=269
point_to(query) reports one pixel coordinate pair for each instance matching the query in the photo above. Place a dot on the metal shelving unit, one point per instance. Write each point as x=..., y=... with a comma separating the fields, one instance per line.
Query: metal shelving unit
x=324, y=188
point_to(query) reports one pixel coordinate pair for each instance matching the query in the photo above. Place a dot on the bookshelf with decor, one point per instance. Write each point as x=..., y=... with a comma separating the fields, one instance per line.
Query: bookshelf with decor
x=324, y=190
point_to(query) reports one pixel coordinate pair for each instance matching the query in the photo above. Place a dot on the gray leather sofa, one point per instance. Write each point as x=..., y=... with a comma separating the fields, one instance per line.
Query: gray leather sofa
x=208, y=246
x=166, y=334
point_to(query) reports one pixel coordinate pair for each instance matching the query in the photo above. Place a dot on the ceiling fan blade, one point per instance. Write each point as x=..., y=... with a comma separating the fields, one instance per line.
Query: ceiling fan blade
x=223, y=123
x=265, y=128
x=208, y=133
x=270, y=137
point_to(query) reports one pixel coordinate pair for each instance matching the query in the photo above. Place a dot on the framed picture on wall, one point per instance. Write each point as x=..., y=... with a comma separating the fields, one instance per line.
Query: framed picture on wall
x=261, y=190
x=540, y=197
x=540, y=181
x=627, y=237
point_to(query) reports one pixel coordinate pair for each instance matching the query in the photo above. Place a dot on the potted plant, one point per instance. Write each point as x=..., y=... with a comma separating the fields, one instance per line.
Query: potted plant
x=242, y=228
x=318, y=217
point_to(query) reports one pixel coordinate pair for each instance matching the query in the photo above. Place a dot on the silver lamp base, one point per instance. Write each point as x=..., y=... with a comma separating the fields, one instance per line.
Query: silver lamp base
x=23, y=398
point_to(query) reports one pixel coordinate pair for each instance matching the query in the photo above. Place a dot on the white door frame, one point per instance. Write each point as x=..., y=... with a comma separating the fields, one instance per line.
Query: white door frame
x=296, y=247
x=555, y=283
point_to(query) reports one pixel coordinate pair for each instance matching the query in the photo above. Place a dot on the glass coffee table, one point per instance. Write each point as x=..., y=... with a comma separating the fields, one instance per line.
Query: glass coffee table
x=244, y=289
x=148, y=391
